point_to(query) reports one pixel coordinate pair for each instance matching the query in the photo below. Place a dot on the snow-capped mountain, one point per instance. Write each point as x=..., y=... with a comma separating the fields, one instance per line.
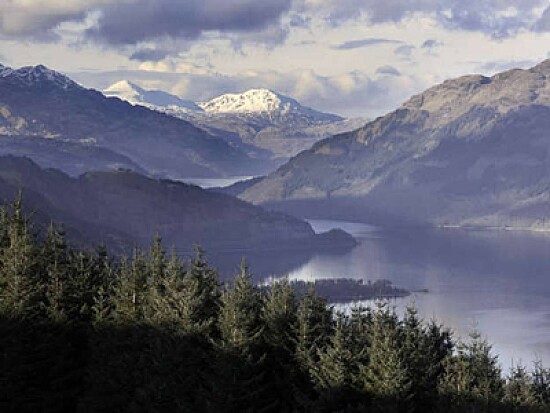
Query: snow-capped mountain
x=472, y=151
x=261, y=122
x=136, y=95
x=30, y=75
x=265, y=102
x=82, y=125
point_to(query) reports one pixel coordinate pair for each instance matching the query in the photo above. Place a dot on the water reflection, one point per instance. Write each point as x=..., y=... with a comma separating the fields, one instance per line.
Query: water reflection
x=497, y=280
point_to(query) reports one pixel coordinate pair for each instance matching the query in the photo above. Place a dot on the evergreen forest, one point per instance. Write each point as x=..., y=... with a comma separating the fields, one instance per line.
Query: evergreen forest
x=85, y=331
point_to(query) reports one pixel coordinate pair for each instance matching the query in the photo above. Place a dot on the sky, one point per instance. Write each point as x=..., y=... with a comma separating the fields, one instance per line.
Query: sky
x=357, y=58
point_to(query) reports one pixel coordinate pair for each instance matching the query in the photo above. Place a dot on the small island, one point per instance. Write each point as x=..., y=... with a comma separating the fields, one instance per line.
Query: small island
x=340, y=290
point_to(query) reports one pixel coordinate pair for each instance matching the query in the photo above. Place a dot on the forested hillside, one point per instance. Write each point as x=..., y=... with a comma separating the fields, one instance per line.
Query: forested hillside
x=82, y=331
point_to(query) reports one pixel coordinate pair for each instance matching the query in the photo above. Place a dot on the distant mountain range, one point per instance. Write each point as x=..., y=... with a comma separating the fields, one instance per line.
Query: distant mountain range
x=124, y=209
x=60, y=124
x=261, y=122
x=472, y=151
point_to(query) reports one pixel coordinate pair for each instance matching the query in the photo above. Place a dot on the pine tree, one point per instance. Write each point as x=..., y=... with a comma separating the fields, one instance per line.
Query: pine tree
x=314, y=326
x=240, y=318
x=279, y=317
x=55, y=263
x=473, y=377
x=20, y=289
x=386, y=377
x=336, y=366
x=519, y=390
x=157, y=260
x=242, y=385
x=541, y=384
x=200, y=306
x=425, y=347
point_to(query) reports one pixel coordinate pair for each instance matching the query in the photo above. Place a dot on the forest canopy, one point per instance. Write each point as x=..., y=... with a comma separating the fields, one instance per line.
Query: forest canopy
x=84, y=331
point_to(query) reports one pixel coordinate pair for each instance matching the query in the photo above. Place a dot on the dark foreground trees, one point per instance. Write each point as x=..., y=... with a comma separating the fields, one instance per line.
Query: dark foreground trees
x=84, y=332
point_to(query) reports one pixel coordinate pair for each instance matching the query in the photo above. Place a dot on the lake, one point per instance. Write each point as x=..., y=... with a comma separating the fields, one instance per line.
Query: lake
x=207, y=183
x=498, y=281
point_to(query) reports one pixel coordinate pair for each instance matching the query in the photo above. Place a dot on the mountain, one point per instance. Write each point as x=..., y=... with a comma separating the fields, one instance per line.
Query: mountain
x=38, y=102
x=123, y=209
x=132, y=93
x=472, y=151
x=261, y=122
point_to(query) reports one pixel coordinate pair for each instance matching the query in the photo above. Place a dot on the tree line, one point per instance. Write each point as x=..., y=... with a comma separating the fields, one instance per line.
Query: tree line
x=83, y=331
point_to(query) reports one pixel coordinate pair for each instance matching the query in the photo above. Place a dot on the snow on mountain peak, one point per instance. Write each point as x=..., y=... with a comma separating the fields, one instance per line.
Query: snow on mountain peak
x=262, y=101
x=157, y=99
x=30, y=75
x=125, y=90
x=251, y=101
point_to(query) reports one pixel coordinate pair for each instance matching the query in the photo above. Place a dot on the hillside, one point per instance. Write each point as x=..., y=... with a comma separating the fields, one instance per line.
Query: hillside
x=470, y=151
x=39, y=102
x=124, y=208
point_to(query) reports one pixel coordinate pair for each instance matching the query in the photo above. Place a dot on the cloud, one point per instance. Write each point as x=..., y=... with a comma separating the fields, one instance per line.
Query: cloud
x=36, y=19
x=388, y=70
x=404, y=51
x=543, y=24
x=149, y=54
x=355, y=44
x=431, y=44
x=298, y=20
x=496, y=18
x=132, y=22
x=349, y=94
x=497, y=66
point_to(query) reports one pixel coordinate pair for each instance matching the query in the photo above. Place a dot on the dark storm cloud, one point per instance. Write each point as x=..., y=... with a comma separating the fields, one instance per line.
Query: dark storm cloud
x=149, y=55
x=140, y=20
x=356, y=44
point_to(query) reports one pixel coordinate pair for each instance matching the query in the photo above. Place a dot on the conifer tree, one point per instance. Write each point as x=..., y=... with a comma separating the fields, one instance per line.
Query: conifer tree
x=240, y=317
x=541, y=383
x=336, y=365
x=20, y=291
x=279, y=315
x=473, y=377
x=519, y=391
x=201, y=303
x=157, y=260
x=386, y=377
x=55, y=264
x=314, y=326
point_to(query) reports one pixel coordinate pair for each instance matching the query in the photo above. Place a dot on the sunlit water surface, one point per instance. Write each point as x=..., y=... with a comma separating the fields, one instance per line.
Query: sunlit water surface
x=498, y=281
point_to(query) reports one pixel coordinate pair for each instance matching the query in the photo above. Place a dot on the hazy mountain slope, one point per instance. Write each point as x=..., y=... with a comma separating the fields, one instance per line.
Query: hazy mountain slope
x=473, y=150
x=36, y=101
x=74, y=158
x=261, y=122
x=124, y=208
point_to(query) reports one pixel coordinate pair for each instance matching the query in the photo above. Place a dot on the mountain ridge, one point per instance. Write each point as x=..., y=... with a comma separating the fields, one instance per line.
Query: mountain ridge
x=469, y=151
x=38, y=102
x=263, y=123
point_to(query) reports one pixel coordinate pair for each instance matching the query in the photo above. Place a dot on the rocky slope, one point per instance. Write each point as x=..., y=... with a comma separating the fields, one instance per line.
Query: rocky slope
x=39, y=102
x=470, y=151
x=263, y=123
x=124, y=209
